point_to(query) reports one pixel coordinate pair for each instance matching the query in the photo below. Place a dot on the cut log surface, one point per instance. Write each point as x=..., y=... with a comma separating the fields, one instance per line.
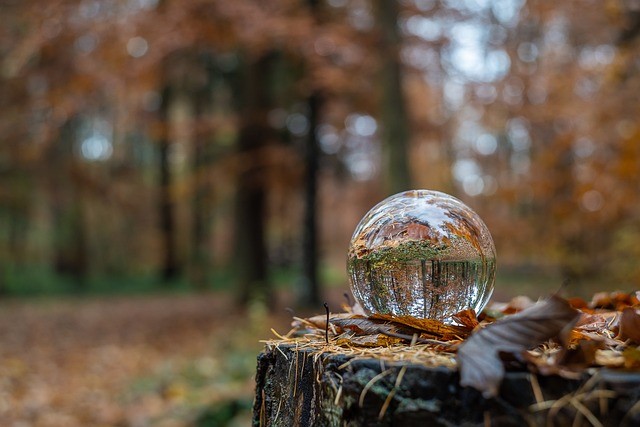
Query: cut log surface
x=302, y=387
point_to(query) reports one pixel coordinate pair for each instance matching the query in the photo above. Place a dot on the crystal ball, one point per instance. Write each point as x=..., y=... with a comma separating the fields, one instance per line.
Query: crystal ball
x=421, y=253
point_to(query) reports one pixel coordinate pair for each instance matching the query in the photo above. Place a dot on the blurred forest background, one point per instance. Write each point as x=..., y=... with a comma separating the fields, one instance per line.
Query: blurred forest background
x=222, y=143
x=232, y=146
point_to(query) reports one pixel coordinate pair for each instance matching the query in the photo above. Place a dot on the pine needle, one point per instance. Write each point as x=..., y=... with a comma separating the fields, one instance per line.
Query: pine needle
x=370, y=384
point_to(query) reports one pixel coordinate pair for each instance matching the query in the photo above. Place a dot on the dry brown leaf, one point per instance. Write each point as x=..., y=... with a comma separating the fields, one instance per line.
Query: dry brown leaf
x=630, y=325
x=370, y=326
x=577, y=302
x=377, y=340
x=430, y=327
x=615, y=300
x=596, y=322
x=467, y=318
x=478, y=357
x=583, y=355
x=598, y=336
x=610, y=358
x=350, y=308
x=516, y=305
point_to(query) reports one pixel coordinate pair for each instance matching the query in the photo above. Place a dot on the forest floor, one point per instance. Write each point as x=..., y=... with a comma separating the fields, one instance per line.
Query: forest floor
x=135, y=361
x=170, y=360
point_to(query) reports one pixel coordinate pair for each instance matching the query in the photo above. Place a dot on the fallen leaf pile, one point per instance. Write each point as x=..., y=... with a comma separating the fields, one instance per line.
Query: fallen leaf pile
x=551, y=336
x=478, y=357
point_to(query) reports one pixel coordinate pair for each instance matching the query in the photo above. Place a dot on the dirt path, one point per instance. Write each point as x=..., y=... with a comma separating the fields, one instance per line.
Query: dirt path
x=135, y=361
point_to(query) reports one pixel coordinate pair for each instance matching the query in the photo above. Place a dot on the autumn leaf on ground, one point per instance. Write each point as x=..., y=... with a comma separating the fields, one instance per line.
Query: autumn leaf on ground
x=630, y=325
x=615, y=300
x=401, y=325
x=478, y=357
x=467, y=318
x=582, y=355
x=430, y=327
x=368, y=326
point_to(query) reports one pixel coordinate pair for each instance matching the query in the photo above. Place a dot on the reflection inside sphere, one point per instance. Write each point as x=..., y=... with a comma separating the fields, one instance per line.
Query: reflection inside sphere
x=421, y=253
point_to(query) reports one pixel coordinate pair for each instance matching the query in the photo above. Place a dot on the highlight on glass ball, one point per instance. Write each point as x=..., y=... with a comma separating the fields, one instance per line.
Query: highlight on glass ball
x=424, y=254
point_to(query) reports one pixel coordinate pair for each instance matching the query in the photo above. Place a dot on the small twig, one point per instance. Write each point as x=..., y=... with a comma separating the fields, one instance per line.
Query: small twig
x=596, y=394
x=282, y=353
x=273, y=331
x=386, y=404
x=392, y=393
x=326, y=328
x=338, y=394
x=535, y=387
x=345, y=364
x=305, y=321
x=370, y=384
x=584, y=411
x=277, y=412
x=414, y=339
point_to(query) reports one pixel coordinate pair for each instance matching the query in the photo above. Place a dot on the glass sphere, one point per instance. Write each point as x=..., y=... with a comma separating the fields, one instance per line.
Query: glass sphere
x=421, y=253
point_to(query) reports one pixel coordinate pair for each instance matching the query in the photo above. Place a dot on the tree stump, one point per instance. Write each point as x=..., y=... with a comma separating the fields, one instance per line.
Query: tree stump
x=305, y=387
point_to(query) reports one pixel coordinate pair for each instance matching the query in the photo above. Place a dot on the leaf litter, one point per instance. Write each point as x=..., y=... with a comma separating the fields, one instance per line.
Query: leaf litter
x=161, y=360
x=553, y=336
x=479, y=356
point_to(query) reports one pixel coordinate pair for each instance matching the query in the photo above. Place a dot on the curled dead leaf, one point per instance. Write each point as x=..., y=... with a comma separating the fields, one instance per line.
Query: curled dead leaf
x=360, y=325
x=615, y=300
x=429, y=327
x=577, y=302
x=517, y=304
x=582, y=355
x=467, y=318
x=630, y=325
x=478, y=357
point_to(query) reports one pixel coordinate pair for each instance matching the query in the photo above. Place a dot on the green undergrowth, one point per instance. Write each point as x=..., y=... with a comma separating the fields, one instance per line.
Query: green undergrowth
x=41, y=281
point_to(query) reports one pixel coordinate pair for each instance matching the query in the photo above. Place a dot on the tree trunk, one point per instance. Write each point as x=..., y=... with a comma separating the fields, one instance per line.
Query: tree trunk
x=201, y=208
x=395, y=123
x=254, y=136
x=170, y=268
x=5, y=248
x=311, y=288
x=296, y=387
x=70, y=245
x=310, y=295
x=4, y=287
